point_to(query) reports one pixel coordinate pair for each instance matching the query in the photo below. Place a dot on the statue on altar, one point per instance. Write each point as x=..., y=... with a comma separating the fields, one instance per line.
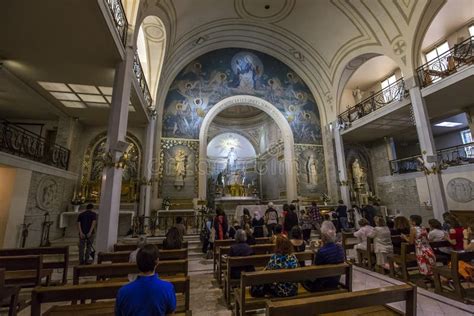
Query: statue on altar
x=231, y=159
x=358, y=174
x=180, y=168
x=311, y=170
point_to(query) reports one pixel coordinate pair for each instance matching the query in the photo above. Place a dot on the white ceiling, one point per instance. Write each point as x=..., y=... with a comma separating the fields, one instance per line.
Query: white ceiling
x=372, y=71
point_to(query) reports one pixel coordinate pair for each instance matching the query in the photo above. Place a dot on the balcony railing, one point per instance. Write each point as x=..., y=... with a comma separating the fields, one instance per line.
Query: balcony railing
x=120, y=19
x=446, y=64
x=394, y=92
x=20, y=142
x=451, y=156
x=138, y=70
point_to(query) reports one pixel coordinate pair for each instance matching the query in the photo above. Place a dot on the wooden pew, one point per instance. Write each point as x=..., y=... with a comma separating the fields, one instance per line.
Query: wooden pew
x=95, y=291
x=224, y=251
x=356, y=303
x=50, y=254
x=258, y=262
x=10, y=293
x=24, y=271
x=348, y=241
x=121, y=270
x=244, y=302
x=123, y=256
x=229, y=242
x=451, y=273
x=366, y=258
x=132, y=247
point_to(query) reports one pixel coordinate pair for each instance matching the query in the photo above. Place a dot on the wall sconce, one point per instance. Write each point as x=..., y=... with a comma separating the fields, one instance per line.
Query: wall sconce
x=153, y=113
x=123, y=161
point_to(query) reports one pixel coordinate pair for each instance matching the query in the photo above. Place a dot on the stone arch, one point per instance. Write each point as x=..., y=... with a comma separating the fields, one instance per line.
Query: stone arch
x=275, y=114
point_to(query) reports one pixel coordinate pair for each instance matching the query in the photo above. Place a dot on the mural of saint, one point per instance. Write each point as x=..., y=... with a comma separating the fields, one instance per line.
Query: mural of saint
x=312, y=170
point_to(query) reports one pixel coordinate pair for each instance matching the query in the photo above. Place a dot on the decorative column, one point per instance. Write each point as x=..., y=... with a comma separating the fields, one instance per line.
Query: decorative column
x=147, y=174
x=107, y=228
x=341, y=166
x=428, y=150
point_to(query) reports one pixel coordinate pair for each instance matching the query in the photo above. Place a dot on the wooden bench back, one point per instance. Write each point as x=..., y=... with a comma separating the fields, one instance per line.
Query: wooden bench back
x=334, y=303
x=257, y=249
x=262, y=260
x=297, y=275
x=92, y=291
x=113, y=270
x=457, y=256
x=47, y=253
x=23, y=263
x=123, y=256
x=132, y=247
x=2, y=278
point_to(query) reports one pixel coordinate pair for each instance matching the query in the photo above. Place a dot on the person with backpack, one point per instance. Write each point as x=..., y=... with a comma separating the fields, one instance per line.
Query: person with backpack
x=271, y=219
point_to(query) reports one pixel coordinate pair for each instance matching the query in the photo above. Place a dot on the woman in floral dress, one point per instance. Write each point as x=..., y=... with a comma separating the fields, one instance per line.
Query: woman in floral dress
x=425, y=256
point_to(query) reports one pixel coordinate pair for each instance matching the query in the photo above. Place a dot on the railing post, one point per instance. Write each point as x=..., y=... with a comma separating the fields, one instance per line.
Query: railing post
x=428, y=150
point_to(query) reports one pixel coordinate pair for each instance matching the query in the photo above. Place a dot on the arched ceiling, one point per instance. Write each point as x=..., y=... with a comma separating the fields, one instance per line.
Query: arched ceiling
x=315, y=38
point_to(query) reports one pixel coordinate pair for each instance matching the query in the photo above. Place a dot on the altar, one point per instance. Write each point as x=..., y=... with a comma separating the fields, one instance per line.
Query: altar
x=230, y=203
x=68, y=221
x=191, y=220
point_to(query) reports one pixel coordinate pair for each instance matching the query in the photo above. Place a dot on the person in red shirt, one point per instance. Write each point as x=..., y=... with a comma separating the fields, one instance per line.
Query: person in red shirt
x=455, y=235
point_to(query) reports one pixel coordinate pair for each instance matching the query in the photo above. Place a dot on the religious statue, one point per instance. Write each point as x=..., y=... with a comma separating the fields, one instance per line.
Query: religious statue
x=180, y=168
x=357, y=95
x=311, y=170
x=231, y=159
x=357, y=173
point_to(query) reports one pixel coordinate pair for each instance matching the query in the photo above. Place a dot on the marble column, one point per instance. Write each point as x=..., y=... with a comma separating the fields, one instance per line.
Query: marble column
x=341, y=165
x=145, y=189
x=107, y=228
x=428, y=149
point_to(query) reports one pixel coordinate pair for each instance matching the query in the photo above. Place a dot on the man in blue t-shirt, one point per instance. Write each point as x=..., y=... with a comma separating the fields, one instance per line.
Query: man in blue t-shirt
x=147, y=295
x=86, y=222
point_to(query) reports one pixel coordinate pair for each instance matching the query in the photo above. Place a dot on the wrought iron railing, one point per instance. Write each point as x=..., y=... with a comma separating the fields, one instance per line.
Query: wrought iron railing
x=138, y=70
x=451, y=156
x=20, y=142
x=120, y=19
x=394, y=92
x=446, y=64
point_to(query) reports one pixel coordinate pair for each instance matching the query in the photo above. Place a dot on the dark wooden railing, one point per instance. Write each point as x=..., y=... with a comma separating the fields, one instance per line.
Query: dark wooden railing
x=120, y=19
x=450, y=156
x=394, y=92
x=446, y=64
x=20, y=142
x=138, y=70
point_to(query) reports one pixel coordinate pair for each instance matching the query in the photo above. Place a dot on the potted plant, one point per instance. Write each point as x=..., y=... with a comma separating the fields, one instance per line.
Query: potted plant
x=77, y=202
x=166, y=203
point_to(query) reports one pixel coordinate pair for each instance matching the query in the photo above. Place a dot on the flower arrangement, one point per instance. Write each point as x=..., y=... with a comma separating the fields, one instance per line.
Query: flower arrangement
x=166, y=203
x=78, y=200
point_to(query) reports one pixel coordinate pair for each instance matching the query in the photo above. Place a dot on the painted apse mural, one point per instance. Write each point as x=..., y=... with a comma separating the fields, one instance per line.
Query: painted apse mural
x=233, y=71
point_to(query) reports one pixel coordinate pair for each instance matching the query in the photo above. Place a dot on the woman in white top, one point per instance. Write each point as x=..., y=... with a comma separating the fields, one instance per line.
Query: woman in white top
x=362, y=233
x=382, y=242
x=436, y=231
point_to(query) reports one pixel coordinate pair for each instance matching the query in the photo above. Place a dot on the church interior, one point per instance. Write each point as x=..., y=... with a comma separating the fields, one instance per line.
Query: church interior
x=325, y=125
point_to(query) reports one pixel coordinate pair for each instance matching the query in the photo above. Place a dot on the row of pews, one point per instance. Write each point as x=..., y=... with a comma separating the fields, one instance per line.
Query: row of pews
x=305, y=303
x=403, y=265
x=33, y=268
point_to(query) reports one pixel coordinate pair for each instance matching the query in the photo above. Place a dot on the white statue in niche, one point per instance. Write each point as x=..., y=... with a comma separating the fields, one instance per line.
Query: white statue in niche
x=231, y=159
x=357, y=173
x=180, y=168
x=311, y=170
x=357, y=95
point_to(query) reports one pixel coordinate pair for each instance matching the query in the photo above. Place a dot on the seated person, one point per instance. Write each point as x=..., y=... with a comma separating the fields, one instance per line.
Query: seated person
x=296, y=239
x=180, y=226
x=250, y=237
x=277, y=231
x=133, y=255
x=235, y=226
x=382, y=242
x=148, y=294
x=364, y=231
x=283, y=258
x=173, y=239
x=240, y=249
x=329, y=253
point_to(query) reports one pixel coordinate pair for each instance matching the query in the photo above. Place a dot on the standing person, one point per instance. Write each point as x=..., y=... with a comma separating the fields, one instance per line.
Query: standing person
x=286, y=210
x=148, y=294
x=306, y=225
x=369, y=214
x=257, y=225
x=425, y=256
x=291, y=219
x=86, y=222
x=341, y=212
x=357, y=216
x=315, y=215
x=271, y=218
x=220, y=225
x=245, y=218
x=180, y=226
